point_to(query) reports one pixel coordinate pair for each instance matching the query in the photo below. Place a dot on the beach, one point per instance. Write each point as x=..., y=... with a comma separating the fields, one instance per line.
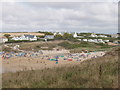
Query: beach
x=48, y=60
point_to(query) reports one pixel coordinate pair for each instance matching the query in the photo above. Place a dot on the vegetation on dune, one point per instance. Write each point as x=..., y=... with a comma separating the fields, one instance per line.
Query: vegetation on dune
x=8, y=49
x=18, y=41
x=36, y=46
x=46, y=33
x=68, y=45
x=73, y=45
x=84, y=34
x=95, y=73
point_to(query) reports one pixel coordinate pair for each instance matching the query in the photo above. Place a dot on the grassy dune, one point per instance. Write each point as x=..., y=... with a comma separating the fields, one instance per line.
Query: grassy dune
x=74, y=47
x=96, y=73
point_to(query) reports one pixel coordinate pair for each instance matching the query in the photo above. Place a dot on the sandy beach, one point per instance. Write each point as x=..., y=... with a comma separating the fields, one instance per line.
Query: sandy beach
x=36, y=63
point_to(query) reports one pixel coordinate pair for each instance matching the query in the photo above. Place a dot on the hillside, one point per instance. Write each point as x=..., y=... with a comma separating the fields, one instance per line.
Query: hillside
x=96, y=73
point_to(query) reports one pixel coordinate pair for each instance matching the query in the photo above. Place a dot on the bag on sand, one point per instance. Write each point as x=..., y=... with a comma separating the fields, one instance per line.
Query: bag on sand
x=56, y=62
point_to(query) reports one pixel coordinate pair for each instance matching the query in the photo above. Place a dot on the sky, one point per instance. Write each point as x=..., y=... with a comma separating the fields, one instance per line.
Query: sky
x=98, y=17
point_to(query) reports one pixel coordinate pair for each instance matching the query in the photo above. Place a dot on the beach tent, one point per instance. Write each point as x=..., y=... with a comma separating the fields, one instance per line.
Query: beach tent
x=53, y=59
x=69, y=59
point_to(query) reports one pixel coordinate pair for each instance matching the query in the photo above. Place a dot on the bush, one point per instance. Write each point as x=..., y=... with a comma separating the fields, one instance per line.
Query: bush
x=67, y=36
x=68, y=45
x=46, y=33
x=14, y=41
x=7, y=35
x=58, y=37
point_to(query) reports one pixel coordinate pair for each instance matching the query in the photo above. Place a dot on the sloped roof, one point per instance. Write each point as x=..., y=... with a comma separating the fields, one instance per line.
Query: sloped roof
x=29, y=36
x=49, y=37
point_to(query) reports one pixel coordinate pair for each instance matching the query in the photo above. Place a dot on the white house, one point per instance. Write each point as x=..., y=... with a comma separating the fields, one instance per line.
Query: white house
x=61, y=33
x=93, y=35
x=106, y=40
x=58, y=33
x=75, y=35
x=5, y=39
x=95, y=40
x=114, y=35
x=100, y=41
x=85, y=40
x=25, y=37
x=102, y=36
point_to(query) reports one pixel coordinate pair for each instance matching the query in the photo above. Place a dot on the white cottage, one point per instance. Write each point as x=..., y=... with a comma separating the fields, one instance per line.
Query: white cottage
x=93, y=35
x=100, y=41
x=25, y=37
x=75, y=35
x=106, y=40
x=104, y=36
x=85, y=40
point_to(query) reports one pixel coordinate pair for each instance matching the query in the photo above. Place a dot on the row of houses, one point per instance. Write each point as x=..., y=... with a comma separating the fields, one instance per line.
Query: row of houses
x=25, y=37
x=34, y=37
x=94, y=40
x=92, y=35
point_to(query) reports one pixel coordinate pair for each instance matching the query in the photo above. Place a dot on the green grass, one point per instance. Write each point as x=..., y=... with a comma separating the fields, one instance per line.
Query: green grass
x=78, y=46
x=95, y=73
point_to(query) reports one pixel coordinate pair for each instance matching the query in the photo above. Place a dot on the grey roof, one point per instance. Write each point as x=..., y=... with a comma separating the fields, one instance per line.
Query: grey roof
x=49, y=37
x=29, y=36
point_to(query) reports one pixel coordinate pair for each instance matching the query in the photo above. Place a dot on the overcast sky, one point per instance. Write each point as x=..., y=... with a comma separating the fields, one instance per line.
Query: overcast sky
x=99, y=17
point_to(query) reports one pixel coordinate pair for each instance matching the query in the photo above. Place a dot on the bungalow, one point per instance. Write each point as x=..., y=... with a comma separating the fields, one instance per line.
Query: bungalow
x=25, y=37
x=100, y=41
x=5, y=39
x=93, y=40
x=106, y=40
x=93, y=35
x=85, y=40
x=75, y=35
x=115, y=35
x=48, y=37
x=102, y=36
x=58, y=33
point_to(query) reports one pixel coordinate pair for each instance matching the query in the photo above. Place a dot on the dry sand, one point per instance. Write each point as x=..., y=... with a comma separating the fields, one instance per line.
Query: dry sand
x=34, y=63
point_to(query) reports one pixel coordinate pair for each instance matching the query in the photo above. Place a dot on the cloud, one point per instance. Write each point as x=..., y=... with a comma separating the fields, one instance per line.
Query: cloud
x=62, y=16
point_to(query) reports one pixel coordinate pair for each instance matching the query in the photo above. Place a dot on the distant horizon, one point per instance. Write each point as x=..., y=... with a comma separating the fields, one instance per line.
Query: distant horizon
x=56, y=31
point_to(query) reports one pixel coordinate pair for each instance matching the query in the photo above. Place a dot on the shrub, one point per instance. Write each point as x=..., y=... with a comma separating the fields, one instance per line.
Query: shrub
x=14, y=41
x=68, y=45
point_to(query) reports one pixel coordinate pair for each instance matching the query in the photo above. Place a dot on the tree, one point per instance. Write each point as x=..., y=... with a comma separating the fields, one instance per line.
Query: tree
x=46, y=33
x=58, y=36
x=67, y=36
x=7, y=35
